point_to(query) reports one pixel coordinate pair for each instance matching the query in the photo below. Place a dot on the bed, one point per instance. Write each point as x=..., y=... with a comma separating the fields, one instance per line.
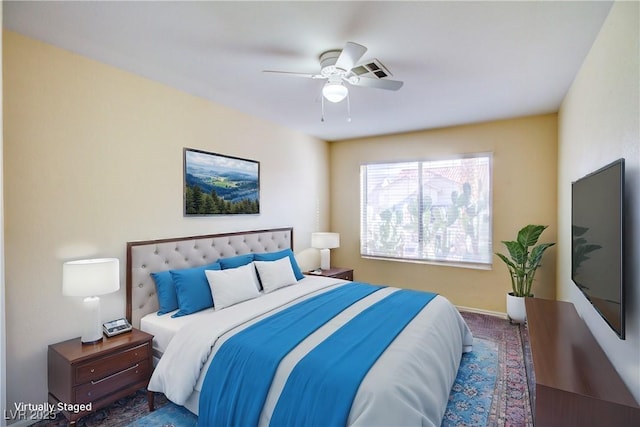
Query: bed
x=407, y=382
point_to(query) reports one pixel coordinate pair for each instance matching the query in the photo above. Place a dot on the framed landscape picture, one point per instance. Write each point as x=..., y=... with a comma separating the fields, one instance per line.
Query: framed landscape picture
x=215, y=184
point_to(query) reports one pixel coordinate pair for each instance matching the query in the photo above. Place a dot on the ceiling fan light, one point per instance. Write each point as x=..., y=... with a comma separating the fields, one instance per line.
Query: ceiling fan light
x=334, y=92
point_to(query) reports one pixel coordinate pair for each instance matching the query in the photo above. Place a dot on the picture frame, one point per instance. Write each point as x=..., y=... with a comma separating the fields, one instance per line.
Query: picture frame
x=217, y=184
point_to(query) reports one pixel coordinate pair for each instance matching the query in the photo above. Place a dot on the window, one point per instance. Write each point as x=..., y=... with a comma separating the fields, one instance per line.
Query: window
x=434, y=210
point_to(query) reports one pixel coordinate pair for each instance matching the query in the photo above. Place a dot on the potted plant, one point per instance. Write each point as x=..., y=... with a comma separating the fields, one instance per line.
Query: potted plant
x=524, y=260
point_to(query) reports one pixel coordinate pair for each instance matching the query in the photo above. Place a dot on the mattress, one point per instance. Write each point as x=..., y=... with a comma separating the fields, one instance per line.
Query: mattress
x=164, y=327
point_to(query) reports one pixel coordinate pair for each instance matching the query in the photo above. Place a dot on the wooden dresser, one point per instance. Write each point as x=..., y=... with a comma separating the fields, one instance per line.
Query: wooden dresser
x=98, y=374
x=575, y=383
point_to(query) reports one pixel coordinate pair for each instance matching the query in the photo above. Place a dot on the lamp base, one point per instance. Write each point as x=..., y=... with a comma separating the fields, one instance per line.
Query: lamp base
x=92, y=328
x=325, y=259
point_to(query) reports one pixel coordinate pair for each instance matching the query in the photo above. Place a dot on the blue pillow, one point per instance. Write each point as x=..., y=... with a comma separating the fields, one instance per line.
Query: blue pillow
x=274, y=256
x=166, y=291
x=192, y=289
x=236, y=261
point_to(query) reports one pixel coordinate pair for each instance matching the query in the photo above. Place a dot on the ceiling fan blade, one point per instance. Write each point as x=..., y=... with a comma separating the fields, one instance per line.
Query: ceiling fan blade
x=378, y=83
x=351, y=54
x=291, y=73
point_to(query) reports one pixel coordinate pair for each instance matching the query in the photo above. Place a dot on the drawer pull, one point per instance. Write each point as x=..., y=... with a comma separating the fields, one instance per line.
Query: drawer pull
x=92, y=370
x=117, y=373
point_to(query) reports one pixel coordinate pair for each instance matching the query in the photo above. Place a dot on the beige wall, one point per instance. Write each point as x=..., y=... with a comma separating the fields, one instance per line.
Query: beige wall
x=524, y=192
x=93, y=159
x=3, y=370
x=599, y=122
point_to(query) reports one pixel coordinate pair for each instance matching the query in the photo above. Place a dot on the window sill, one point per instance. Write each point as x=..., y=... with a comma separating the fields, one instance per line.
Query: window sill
x=469, y=265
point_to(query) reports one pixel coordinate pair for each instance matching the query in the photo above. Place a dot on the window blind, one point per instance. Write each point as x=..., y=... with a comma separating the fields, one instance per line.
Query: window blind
x=428, y=210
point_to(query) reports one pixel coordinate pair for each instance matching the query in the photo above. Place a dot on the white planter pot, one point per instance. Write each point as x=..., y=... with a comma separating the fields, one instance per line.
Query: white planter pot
x=516, y=309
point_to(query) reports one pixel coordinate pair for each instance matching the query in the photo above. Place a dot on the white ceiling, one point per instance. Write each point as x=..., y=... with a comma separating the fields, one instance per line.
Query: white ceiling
x=461, y=62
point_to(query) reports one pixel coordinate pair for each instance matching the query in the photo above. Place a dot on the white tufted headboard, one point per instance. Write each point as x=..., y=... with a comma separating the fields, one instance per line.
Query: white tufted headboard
x=144, y=258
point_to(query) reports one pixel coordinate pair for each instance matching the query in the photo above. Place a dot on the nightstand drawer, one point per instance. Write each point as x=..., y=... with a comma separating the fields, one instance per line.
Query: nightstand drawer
x=96, y=389
x=100, y=368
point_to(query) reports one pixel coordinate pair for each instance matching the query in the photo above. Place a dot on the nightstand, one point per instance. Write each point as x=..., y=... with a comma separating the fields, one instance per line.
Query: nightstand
x=86, y=377
x=335, y=272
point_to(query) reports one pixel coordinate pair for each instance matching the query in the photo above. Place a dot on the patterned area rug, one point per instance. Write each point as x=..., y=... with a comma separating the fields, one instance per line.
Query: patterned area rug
x=473, y=390
x=169, y=415
x=511, y=403
x=118, y=414
x=505, y=403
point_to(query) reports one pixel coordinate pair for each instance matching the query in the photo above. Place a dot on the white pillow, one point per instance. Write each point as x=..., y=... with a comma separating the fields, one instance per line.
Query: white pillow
x=275, y=274
x=231, y=286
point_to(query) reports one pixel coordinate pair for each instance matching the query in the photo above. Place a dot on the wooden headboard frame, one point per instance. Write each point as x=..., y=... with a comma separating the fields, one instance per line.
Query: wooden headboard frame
x=144, y=258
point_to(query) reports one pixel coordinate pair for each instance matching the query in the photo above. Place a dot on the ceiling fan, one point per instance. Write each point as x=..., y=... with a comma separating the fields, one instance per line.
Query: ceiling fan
x=340, y=66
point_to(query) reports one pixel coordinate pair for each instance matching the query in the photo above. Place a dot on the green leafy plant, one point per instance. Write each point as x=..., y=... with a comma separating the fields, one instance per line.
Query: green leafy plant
x=525, y=258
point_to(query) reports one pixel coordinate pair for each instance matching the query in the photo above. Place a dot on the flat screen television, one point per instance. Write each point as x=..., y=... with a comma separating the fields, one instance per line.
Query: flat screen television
x=597, y=250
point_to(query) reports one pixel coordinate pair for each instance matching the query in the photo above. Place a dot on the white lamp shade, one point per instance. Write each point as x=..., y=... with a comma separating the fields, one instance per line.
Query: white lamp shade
x=334, y=92
x=90, y=277
x=324, y=240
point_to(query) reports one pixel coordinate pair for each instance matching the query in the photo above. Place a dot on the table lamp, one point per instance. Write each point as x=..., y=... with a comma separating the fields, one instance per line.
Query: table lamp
x=325, y=241
x=89, y=278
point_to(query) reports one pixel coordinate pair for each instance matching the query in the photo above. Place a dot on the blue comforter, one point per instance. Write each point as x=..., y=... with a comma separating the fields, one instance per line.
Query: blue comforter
x=322, y=386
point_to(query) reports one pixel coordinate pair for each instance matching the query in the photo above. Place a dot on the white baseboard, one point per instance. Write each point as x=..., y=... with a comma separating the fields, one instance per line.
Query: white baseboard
x=481, y=311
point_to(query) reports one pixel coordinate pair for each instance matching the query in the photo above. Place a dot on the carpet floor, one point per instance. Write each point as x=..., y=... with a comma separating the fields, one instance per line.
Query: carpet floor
x=490, y=391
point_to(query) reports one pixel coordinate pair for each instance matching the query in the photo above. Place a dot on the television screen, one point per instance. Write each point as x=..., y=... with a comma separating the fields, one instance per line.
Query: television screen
x=597, y=226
